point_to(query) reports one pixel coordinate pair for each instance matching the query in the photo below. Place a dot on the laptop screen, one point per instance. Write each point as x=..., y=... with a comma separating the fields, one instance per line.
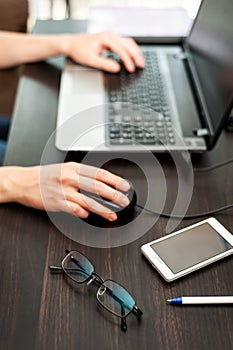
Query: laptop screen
x=211, y=46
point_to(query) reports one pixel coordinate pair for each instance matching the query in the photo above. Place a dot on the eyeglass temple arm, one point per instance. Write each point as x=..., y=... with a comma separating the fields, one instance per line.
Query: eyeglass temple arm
x=55, y=268
x=75, y=261
x=60, y=269
x=123, y=320
x=137, y=310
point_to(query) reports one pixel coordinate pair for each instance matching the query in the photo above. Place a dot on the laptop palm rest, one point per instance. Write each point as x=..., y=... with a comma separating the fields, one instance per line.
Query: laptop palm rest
x=80, y=114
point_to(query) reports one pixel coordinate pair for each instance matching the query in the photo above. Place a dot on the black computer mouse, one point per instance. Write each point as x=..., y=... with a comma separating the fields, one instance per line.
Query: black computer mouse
x=119, y=210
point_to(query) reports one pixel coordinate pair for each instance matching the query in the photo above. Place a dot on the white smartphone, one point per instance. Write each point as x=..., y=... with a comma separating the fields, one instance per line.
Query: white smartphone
x=189, y=249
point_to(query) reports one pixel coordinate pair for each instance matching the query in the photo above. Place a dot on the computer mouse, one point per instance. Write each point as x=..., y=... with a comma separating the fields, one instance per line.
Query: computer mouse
x=119, y=210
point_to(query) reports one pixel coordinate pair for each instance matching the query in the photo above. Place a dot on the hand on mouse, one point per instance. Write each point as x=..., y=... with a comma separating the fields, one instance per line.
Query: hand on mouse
x=87, y=48
x=55, y=188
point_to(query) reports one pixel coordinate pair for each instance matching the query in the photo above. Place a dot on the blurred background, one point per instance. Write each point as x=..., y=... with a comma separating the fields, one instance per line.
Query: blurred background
x=21, y=15
x=80, y=9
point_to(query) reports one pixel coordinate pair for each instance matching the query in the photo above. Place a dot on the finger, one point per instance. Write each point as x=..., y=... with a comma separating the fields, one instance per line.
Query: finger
x=91, y=205
x=106, y=64
x=114, y=43
x=101, y=175
x=70, y=207
x=77, y=210
x=102, y=190
x=134, y=51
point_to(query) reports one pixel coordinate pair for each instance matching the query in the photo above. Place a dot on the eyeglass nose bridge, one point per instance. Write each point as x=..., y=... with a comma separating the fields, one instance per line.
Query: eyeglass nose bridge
x=91, y=280
x=101, y=290
x=95, y=278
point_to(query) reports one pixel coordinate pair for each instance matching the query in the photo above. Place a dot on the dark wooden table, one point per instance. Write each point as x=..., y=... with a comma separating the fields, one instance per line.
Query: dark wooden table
x=40, y=310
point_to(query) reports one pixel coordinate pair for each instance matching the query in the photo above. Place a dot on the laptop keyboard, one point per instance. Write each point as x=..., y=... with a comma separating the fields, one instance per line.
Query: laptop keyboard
x=138, y=110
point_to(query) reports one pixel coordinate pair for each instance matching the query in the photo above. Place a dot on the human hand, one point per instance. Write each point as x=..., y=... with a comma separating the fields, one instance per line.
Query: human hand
x=87, y=49
x=55, y=188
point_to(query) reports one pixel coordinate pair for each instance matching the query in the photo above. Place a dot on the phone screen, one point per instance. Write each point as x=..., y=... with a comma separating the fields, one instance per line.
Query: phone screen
x=191, y=247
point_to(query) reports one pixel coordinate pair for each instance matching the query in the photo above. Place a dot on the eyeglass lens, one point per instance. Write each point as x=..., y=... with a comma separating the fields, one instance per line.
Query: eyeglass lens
x=115, y=298
x=77, y=267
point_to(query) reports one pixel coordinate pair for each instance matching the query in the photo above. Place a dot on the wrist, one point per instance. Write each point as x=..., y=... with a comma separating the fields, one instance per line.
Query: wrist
x=64, y=44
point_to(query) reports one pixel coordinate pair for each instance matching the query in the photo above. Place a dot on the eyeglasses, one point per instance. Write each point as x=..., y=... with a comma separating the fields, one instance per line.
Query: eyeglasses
x=111, y=295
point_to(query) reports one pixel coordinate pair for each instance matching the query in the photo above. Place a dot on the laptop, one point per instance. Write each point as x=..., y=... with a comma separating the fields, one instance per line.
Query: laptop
x=179, y=101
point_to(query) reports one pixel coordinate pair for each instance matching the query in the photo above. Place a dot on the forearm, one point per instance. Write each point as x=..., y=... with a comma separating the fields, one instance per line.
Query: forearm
x=86, y=49
x=16, y=48
x=7, y=187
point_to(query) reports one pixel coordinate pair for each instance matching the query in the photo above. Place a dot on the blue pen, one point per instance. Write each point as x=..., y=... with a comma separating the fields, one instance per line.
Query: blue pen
x=202, y=300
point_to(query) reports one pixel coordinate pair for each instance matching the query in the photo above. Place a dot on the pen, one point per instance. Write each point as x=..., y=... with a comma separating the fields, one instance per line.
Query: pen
x=202, y=300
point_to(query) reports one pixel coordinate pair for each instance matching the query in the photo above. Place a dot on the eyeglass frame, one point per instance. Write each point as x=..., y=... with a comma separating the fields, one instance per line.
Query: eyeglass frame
x=94, y=277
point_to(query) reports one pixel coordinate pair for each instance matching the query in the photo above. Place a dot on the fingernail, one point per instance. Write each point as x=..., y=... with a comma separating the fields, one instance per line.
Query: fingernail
x=132, y=68
x=141, y=63
x=124, y=185
x=112, y=217
x=85, y=215
x=114, y=66
x=124, y=201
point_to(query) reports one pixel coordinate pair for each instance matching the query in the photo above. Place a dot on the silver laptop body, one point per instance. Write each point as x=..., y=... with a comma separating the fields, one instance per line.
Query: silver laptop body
x=92, y=118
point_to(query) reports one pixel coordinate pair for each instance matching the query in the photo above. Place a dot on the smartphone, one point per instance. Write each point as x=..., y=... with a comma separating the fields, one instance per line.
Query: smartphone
x=189, y=249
